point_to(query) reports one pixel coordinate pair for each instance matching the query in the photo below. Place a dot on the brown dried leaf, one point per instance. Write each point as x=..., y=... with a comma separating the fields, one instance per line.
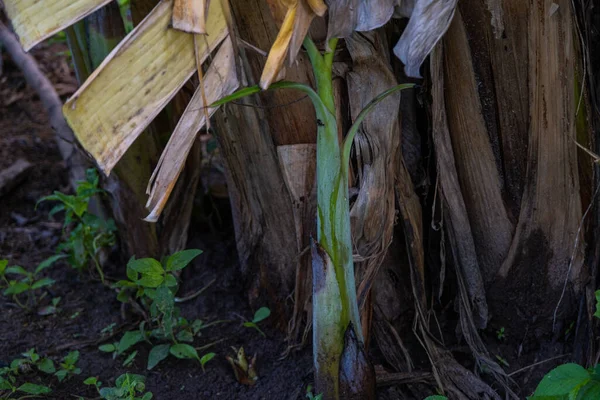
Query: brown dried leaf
x=219, y=81
x=299, y=14
x=347, y=16
x=279, y=50
x=429, y=21
x=135, y=82
x=190, y=15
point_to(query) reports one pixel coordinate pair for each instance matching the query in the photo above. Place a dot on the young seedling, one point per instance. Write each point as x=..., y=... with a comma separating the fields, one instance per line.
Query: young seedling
x=500, y=334
x=8, y=388
x=206, y=358
x=28, y=283
x=185, y=351
x=93, y=381
x=260, y=314
x=68, y=367
x=130, y=358
x=502, y=360
x=32, y=359
x=127, y=387
x=8, y=378
x=86, y=234
x=245, y=372
x=50, y=309
x=311, y=396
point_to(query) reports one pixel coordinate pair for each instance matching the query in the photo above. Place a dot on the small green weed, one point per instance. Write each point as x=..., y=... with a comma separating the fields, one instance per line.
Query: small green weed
x=311, y=396
x=32, y=359
x=152, y=285
x=260, y=314
x=436, y=397
x=500, y=334
x=502, y=360
x=52, y=308
x=29, y=282
x=68, y=366
x=86, y=234
x=127, y=387
x=8, y=376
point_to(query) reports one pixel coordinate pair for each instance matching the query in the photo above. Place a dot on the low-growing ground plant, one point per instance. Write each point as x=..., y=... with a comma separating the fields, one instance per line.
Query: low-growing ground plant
x=68, y=367
x=571, y=381
x=85, y=234
x=9, y=389
x=127, y=387
x=151, y=288
x=310, y=395
x=260, y=315
x=32, y=360
x=17, y=281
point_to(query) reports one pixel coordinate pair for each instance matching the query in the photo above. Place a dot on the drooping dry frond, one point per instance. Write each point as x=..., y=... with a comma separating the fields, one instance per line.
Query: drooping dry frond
x=36, y=20
x=347, y=16
x=428, y=22
x=136, y=81
x=190, y=15
x=298, y=17
x=220, y=81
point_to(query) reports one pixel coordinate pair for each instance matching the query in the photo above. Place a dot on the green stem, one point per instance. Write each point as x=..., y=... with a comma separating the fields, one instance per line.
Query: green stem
x=323, y=69
x=98, y=268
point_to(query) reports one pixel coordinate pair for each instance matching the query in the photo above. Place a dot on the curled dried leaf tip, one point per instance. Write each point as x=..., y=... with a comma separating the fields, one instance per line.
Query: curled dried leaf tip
x=298, y=15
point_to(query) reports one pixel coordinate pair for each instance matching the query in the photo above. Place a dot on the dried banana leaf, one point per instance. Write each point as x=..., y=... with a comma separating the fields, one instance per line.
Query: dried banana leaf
x=190, y=15
x=347, y=16
x=136, y=81
x=36, y=20
x=428, y=22
x=220, y=81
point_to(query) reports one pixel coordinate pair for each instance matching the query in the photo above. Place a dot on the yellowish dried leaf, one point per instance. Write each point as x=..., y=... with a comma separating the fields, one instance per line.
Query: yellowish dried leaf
x=190, y=15
x=299, y=14
x=279, y=50
x=136, y=81
x=317, y=6
x=36, y=20
x=219, y=81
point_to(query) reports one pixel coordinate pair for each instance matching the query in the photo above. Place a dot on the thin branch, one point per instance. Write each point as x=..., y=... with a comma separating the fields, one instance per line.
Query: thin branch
x=538, y=363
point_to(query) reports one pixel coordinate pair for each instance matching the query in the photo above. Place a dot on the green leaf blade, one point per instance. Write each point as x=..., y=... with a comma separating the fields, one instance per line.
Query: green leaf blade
x=181, y=259
x=184, y=351
x=33, y=389
x=129, y=340
x=261, y=314
x=48, y=262
x=146, y=266
x=562, y=380
x=42, y=283
x=157, y=354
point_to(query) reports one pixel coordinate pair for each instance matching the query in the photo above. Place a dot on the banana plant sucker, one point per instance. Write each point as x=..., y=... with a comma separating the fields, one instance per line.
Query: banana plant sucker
x=342, y=370
x=335, y=308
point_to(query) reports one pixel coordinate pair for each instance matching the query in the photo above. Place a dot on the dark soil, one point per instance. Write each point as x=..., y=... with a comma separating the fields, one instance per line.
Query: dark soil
x=27, y=237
